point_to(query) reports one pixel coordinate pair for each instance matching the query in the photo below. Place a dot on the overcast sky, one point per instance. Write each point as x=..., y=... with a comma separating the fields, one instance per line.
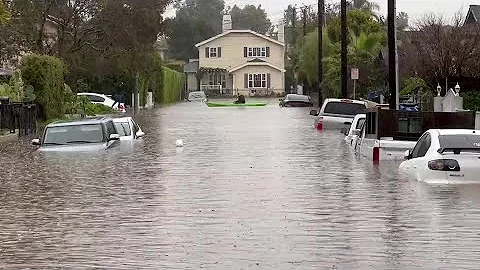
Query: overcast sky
x=415, y=8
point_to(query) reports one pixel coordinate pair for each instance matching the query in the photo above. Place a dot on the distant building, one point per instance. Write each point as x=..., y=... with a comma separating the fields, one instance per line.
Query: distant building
x=473, y=15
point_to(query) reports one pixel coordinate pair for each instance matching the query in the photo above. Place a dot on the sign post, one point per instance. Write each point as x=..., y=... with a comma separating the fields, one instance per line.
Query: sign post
x=355, y=75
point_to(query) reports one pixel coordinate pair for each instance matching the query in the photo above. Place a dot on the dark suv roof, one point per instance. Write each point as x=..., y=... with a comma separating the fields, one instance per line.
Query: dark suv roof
x=76, y=122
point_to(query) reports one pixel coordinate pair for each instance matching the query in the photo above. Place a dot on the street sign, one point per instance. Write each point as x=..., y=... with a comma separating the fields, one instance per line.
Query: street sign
x=354, y=74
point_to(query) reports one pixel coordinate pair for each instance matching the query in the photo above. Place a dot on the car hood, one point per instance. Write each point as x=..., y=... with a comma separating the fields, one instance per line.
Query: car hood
x=74, y=148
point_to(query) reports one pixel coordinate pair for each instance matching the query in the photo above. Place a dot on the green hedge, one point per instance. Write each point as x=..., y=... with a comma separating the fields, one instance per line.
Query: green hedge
x=471, y=100
x=172, y=86
x=46, y=75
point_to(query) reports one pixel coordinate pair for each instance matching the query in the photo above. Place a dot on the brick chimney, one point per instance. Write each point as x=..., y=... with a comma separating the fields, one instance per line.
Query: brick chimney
x=227, y=23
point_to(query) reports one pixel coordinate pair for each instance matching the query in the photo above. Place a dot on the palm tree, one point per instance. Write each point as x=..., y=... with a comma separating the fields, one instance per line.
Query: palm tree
x=365, y=5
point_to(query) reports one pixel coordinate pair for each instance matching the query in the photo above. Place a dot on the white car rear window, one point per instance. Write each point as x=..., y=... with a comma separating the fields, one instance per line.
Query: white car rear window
x=344, y=108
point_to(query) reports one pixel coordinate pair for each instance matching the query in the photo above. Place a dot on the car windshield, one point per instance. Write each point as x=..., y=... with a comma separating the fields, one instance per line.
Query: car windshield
x=299, y=98
x=460, y=141
x=344, y=108
x=123, y=128
x=89, y=133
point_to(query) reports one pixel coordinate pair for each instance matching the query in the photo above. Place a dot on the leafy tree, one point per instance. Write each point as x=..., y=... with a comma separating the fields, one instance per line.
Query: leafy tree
x=366, y=38
x=195, y=21
x=365, y=5
x=250, y=17
x=46, y=75
x=358, y=21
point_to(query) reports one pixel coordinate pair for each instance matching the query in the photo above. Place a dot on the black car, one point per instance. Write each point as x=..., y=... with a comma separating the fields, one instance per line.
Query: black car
x=294, y=100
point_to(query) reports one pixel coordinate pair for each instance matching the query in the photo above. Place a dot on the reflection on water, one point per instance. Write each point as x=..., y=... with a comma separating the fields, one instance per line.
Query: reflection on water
x=251, y=188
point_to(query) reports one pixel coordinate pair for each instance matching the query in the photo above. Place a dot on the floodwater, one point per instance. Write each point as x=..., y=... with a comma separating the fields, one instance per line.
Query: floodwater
x=252, y=188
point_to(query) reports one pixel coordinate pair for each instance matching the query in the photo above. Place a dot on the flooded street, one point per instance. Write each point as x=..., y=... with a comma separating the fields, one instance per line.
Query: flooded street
x=252, y=188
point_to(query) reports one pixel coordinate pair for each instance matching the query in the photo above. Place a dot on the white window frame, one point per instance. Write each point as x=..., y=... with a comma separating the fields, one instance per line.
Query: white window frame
x=261, y=82
x=257, y=52
x=213, y=52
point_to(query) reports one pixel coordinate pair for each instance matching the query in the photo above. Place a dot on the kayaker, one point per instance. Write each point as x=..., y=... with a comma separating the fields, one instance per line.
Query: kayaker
x=240, y=100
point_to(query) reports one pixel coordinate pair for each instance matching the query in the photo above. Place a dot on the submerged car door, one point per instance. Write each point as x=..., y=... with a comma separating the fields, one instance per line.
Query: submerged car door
x=418, y=163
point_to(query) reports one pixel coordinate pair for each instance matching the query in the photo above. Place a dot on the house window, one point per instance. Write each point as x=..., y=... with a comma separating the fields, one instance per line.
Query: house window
x=257, y=80
x=216, y=79
x=257, y=52
x=213, y=53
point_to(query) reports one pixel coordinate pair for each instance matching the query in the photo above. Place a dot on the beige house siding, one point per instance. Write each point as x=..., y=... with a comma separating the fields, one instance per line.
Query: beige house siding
x=232, y=51
x=277, y=80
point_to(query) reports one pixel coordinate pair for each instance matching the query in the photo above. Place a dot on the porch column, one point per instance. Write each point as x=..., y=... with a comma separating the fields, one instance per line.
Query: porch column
x=233, y=83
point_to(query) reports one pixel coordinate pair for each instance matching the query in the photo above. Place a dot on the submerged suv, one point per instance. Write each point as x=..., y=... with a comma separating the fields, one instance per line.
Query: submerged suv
x=91, y=134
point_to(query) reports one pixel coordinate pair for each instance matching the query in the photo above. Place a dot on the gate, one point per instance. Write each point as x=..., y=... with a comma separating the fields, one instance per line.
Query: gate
x=21, y=116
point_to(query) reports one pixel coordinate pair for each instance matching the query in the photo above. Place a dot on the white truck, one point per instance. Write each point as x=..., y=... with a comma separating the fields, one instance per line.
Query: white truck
x=378, y=144
x=337, y=113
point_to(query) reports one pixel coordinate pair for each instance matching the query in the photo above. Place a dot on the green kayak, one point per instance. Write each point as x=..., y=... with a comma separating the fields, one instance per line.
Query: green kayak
x=217, y=104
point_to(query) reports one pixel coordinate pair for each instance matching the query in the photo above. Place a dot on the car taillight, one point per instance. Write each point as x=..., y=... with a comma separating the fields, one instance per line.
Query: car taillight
x=121, y=107
x=320, y=123
x=449, y=165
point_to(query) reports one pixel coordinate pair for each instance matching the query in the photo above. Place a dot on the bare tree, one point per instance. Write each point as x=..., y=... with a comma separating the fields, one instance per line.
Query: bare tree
x=436, y=49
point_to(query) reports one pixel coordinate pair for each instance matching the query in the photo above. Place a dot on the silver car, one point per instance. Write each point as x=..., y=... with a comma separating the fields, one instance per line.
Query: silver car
x=91, y=134
x=128, y=129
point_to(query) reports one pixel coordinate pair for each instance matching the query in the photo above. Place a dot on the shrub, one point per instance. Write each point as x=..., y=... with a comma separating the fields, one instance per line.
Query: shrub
x=46, y=75
x=84, y=106
x=14, y=89
x=471, y=100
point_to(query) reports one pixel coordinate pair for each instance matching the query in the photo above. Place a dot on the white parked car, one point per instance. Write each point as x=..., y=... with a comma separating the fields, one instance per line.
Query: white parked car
x=103, y=99
x=444, y=156
x=128, y=129
x=337, y=113
x=197, y=96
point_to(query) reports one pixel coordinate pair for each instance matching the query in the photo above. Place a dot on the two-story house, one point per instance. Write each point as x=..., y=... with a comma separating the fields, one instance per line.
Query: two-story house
x=241, y=62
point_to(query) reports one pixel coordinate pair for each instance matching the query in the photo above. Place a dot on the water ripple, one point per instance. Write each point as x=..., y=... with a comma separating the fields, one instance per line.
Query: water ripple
x=253, y=188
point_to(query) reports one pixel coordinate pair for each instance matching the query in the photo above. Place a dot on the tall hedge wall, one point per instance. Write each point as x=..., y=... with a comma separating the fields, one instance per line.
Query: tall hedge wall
x=172, y=86
x=46, y=75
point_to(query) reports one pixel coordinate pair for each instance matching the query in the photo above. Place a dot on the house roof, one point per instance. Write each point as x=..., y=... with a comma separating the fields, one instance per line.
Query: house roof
x=239, y=31
x=251, y=63
x=473, y=14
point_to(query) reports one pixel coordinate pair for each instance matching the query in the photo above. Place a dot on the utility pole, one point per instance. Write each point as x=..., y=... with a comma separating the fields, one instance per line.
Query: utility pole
x=343, y=7
x=321, y=10
x=304, y=10
x=392, y=55
x=294, y=24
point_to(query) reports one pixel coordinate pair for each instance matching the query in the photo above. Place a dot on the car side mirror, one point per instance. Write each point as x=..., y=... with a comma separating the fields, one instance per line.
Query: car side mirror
x=140, y=134
x=357, y=132
x=36, y=142
x=407, y=155
x=314, y=113
x=114, y=137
